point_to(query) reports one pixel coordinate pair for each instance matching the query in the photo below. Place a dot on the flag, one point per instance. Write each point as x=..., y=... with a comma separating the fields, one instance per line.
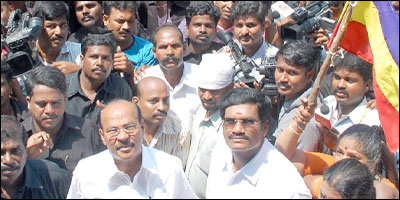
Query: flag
x=373, y=35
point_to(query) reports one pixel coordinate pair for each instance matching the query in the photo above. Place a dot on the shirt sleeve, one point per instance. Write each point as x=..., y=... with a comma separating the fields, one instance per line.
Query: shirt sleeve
x=148, y=57
x=316, y=162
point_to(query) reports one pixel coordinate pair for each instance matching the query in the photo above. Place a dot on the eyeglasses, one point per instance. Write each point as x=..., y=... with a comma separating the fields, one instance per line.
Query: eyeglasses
x=129, y=129
x=247, y=123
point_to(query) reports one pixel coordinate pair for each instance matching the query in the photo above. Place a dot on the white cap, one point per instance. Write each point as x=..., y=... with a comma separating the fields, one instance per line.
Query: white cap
x=215, y=71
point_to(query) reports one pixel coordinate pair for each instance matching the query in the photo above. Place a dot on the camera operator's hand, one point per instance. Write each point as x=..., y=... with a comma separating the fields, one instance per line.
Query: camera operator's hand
x=371, y=104
x=321, y=37
x=122, y=63
x=139, y=73
x=66, y=67
x=38, y=143
x=278, y=41
x=242, y=84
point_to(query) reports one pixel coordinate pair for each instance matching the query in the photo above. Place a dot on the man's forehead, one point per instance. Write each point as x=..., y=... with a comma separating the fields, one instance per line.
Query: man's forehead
x=57, y=20
x=124, y=12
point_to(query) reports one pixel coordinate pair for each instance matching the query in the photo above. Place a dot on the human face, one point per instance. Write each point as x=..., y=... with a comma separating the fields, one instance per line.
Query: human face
x=124, y=145
x=47, y=106
x=97, y=63
x=89, y=13
x=5, y=91
x=350, y=148
x=349, y=87
x=249, y=31
x=326, y=191
x=291, y=80
x=169, y=49
x=201, y=29
x=154, y=103
x=225, y=8
x=54, y=33
x=121, y=23
x=211, y=99
x=244, y=137
x=13, y=158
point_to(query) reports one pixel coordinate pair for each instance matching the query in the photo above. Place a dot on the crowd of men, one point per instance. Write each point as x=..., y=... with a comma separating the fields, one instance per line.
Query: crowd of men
x=142, y=100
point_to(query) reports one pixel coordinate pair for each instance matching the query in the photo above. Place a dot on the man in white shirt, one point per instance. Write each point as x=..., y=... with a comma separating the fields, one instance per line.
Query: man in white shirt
x=352, y=79
x=246, y=165
x=162, y=129
x=179, y=76
x=215, y=80
x=52, y=45
x=128, y=169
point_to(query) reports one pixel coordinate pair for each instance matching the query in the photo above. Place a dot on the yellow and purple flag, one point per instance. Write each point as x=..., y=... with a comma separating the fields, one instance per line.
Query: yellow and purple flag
x=373, y=35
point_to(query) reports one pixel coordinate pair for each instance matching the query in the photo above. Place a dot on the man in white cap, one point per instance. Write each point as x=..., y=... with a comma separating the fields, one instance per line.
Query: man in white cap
x=215, y=79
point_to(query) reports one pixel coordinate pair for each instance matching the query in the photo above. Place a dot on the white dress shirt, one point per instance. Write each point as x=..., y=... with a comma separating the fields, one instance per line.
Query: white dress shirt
x=268, y=175
x=160, y=176
x=70, y=52
x=206, y=132
x=184, y=97
x=359, y=115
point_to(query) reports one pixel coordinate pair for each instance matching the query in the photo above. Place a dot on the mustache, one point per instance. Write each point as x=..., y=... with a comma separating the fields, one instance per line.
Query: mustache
x=11, y=167
x=283, y=84
x=244, y=37
x=174, y=58
x=59, y=37
x=342, y=91
x=241, y=136
x=160, y=113
x=123, y=144
x=203, y=35
x=124, y=32
x=100, y=68
x=208, y=101
x=53, y=116
x=87, y=16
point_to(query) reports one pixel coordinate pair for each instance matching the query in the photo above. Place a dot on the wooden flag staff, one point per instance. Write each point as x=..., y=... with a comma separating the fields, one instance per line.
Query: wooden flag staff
x=312, y=99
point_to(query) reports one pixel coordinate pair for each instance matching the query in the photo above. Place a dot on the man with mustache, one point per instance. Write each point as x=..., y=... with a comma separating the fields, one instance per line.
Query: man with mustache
x=94, y=84
x=179, y=76
x=128, y=169
x=246, y=165
x=52, y=46
x=352, y=78
x=27, y=179
x=90, y=15
x=54, y=134
x=162, y=129
x=215, y=80
x=295, y=70
x=201, y=20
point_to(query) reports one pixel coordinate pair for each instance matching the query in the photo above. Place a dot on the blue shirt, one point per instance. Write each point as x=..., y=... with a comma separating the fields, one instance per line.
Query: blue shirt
x=141, y=52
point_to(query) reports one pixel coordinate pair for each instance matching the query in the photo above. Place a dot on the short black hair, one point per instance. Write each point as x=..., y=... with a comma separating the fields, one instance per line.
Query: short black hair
x=7, y=131
x=51, y=77
x=355, y=63
x=299, y=53
x=202, y=8
x=100, y=2
x=6, y=70
x=168, y=25
x=98, y=40
x=50, y=10
x=120, y=5
x=247, y=95
x=244, y=8
x=352, y=179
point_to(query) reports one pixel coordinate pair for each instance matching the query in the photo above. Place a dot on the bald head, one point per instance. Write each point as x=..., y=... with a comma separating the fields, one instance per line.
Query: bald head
x=166, y=28
x=149, y=84
x=118, y=106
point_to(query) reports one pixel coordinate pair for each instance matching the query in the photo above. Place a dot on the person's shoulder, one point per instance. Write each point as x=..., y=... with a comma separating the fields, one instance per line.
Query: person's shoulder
x=142, y=42
x=73, y=45
x=44, y=167
x=162, y=158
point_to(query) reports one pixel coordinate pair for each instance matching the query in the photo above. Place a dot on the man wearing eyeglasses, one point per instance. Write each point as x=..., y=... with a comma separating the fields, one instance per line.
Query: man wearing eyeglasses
x=247, y=165
x=128, y=169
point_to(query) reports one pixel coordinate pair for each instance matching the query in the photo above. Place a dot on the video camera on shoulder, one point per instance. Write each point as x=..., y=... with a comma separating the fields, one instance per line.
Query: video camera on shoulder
x=309, y=18
x=246, y=65
x=21, y=29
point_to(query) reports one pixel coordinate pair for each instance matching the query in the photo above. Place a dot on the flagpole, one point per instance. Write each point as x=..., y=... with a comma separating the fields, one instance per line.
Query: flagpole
x=312, y=99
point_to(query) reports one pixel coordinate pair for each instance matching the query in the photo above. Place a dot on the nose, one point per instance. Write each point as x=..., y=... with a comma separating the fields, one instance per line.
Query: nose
x=229, y=4
x=244, y=30
x=85, y=10
x=284, y=77
x=48, y=108
x=202, y=29
x=162, y=106
x=207, y=95
x=7, y=159
x=122, y=136
x=99, y=61
x=341, y=84
x=170, y=51
x=125, y=26
x=238, y=128
x=57, y=30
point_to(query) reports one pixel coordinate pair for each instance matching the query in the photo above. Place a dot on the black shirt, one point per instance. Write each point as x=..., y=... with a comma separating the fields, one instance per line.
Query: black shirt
x=114, y=87
x=77, y=139
x=191, y=57
x=44, y=180
x=20, y=110
x=79, y=35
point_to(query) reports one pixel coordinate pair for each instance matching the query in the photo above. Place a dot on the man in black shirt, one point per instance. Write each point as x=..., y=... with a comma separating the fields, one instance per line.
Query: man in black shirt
x=27, y=179
x=73, y=137
x=95, y=83
x=201, y=21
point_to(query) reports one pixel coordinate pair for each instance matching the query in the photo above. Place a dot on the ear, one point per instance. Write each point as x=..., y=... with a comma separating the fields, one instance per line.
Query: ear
x=103, y=139
x=28, y=100
x=187, y=32
x=310, y=75
x=266, y=127
x=82, y=57
x=154, y=52
x=135, y=100
x=367, y=85
x=105, y=20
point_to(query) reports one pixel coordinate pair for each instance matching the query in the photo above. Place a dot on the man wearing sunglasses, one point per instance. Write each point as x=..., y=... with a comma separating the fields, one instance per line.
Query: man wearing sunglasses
x=246, y=165
x=128, y=169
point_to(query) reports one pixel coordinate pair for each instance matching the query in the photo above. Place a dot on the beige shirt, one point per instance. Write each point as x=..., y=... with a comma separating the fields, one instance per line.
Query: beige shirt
x=171, y=138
